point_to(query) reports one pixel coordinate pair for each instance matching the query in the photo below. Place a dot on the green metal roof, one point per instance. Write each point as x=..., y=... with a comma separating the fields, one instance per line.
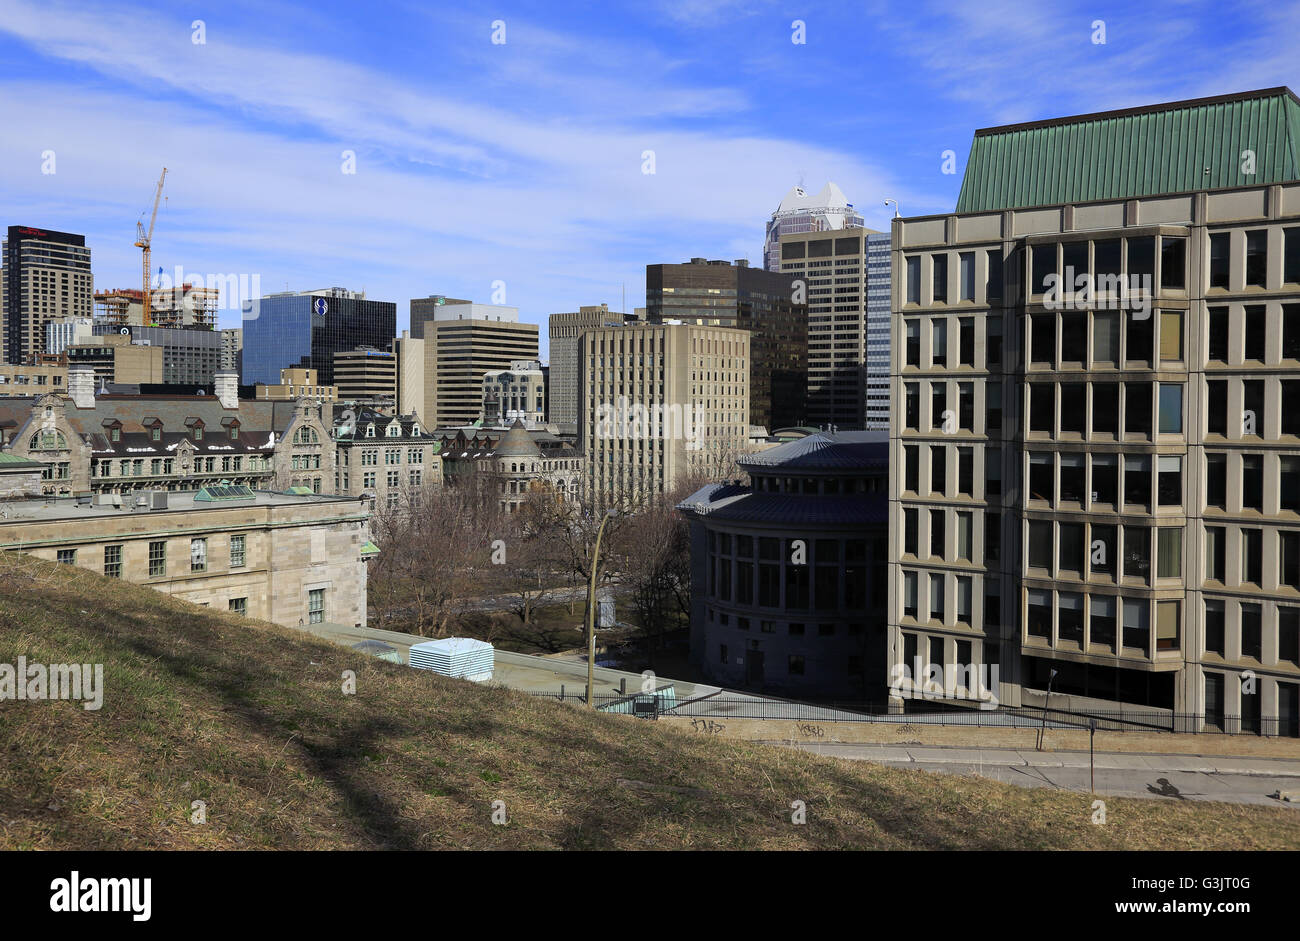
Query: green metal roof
x=1135, y=152
x=14, y=461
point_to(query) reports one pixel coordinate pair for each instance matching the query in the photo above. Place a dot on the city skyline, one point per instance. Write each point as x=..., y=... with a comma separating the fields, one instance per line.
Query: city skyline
x=451, y=144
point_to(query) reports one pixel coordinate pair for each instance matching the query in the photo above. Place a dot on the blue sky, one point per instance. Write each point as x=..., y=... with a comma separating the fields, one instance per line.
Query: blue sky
x=522, y=162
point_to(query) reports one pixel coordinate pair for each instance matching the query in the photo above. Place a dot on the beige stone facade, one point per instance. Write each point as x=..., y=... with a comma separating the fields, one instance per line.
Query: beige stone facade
x=287, y=559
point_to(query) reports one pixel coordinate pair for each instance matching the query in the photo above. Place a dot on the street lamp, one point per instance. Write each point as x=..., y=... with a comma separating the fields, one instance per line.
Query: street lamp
x=1042, y=733
x=591, y=608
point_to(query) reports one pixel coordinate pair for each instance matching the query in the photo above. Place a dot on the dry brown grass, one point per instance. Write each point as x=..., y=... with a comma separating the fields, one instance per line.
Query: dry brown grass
x=251, y=719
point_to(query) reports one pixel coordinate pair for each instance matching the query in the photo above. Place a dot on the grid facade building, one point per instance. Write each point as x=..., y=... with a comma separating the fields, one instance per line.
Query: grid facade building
x=45, y=276
x=1095, y=429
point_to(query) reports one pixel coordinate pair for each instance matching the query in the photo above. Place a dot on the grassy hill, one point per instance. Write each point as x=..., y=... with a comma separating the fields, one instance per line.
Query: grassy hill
x=251, y=719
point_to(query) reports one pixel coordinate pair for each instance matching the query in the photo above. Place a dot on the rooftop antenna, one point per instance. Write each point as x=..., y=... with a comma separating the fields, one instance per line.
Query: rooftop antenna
x=895, y=202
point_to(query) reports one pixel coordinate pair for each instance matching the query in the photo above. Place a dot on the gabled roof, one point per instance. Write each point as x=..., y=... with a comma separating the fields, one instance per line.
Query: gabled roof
x=1179, y=147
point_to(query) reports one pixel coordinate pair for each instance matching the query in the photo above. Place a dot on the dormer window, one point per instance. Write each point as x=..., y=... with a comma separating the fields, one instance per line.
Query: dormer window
x=394, y=431
x=198, y=432
x=155, y=433
x=370, y=431
x=115, y=434
x=234, y=432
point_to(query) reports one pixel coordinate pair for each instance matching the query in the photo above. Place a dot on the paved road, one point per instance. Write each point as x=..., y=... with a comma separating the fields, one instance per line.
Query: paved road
x=1119, y=774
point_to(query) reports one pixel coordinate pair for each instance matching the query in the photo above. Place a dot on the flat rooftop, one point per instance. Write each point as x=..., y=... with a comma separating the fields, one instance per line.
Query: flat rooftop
x=64, y=508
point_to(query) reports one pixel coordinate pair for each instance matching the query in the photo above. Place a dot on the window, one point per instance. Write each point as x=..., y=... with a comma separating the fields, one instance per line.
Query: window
x=1072, y=477
x=1074, y=412
x=1103, y=549
x=1040, y=544
x=992, y=536
x=198, y=555
x=316, y=606
x=1171, y=408
x=1171, y=336
x=1219, y=260
x=1169, y=480
x=913, y=351
x=1105, y=408
x=912, y=406
x=1137, y=552
x=940, y=282
x=1251, y=632
x=964, y=588
x=113, y=561
x=1252, y=552
x=936, y=604
x=1043, y=259
x=967, y=261
x=1137, y=626
x=1218, y=341
x=1069, y=618
x=966, y=471
x=937, y=533
x=1101, y=622
x=909, y=594
x=966, y=341
x=1169, y=552
x=157, y=559
x=965, y=545
x=1074, y=262
x=992, y=473
x=1289, y=472
x=1167, y=619
x=995, y=273
x=910, y=516
x=1071, y=554
x=938, y=403
x=1214, y=622
x=1288, y=635
x=1252, y=417
x=939, y=342
x=1137, y=409
x=911, y=467
x=237, y=551
x=914, y=280
x=1139, y=337
x=1291, y=327
x=1040, y=476
x=1137, y=480
x=1256, y=258
x=1105, y=338
x=1252, y=482
x=1042, y=339
x=993, y=341
x=1291, y=416
x=1106, y=260
x=1173, y=263
x=66, y=556
x=239, y=606
x=1042, y=407
x=1074, y=336
x=938, y=469
x=1289, y=563
x=1039, y=614
x=1215, y=537
x=796, y=664
x=1216, y=481
x=1105, y=479
x=1256, y=320
x=1216, y=407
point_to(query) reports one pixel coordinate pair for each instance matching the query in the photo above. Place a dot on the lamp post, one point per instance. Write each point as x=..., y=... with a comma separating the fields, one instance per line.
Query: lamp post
x=591, y=610
x=1042, y=733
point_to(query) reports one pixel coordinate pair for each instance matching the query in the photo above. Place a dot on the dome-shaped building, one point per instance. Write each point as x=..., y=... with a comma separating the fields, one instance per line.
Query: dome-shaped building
x=789, y=572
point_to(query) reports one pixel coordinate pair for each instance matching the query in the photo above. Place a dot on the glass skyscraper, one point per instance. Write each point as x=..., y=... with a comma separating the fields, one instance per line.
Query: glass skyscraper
x=306, y=330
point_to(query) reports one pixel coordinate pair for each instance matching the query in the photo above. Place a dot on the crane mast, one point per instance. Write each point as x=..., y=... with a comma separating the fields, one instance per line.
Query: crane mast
x=143, y=241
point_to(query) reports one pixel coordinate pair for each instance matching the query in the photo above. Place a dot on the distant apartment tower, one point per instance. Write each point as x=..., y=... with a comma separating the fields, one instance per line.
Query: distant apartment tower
x=517, y=393
x=366, y=375
x=720, y=294
x=45, y=276
x=306, y=330
x=462, y=341
x=232, y=349
x=661, y=404
x=846, y=277
x=563, y=381
x=800, y=212
x=1097, y=487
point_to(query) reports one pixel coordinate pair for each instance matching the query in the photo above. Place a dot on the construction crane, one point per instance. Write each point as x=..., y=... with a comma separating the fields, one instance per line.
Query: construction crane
x=143, y=240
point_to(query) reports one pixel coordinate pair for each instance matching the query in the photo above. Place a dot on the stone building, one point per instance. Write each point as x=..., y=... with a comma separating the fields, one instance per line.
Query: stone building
x=290, y=559
x=391, y=460
x=788, y=572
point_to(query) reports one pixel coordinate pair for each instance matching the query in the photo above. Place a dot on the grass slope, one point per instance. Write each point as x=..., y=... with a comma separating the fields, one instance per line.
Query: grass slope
x=251, y=719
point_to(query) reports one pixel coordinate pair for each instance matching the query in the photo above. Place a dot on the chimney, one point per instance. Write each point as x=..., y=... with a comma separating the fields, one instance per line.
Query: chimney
x=81, y=386
x=226, y=388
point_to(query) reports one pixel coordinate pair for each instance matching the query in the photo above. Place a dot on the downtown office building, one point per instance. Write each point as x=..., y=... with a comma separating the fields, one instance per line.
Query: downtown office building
x=305, y=330
x=1095, y=419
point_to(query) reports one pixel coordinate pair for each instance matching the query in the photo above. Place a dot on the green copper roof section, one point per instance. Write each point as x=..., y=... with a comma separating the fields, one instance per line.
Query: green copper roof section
x=1136, y=152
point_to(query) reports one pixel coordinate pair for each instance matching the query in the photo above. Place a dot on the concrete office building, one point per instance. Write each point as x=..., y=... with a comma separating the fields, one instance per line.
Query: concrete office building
x=62, y=333
x=424, y=309
x=562, y=384
x=846, y=276
x=462, y=341
x=366, y=375
x=409, y=353
x=44, y=276
x=1099, y=485
x=295, y=383
x=288, y=559
x=190, y=355
x=515, y=393
x=661, y=404
x=800, y=211
x=720, y=294
x=766, y=619
x=305, y=330
x=115, y=358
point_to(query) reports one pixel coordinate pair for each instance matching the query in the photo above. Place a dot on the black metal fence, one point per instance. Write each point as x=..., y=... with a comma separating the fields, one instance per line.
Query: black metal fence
x=719, y=708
